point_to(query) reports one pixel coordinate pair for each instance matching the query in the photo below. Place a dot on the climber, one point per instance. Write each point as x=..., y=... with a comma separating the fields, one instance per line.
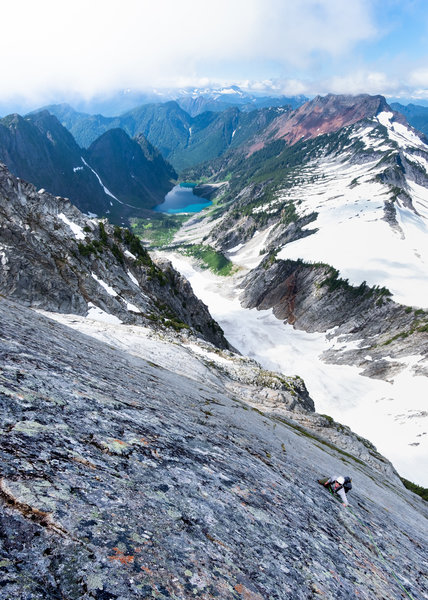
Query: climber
x=338, y=485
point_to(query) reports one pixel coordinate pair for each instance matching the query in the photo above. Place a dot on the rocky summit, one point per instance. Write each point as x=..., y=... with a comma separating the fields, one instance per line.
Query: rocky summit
x=121, y=479
x=323, y=114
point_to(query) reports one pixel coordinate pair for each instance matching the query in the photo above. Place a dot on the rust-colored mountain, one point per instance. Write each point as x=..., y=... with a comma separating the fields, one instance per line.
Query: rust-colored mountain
x=318, y=116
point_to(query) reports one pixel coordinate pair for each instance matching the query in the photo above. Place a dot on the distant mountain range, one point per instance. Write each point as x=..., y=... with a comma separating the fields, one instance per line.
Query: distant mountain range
x=183, y=140
x=195, y=101
x=102, y=170
x=201, y=125
x=115, y=177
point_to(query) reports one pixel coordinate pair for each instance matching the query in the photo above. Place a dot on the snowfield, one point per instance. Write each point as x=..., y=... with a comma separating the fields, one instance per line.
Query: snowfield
x=340, y=391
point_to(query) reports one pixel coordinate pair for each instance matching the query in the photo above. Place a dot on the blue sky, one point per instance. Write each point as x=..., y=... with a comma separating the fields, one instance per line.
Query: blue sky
x=59, y=50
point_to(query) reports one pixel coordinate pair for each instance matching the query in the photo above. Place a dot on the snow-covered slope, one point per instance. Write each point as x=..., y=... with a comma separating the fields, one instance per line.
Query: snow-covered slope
x=354, y=234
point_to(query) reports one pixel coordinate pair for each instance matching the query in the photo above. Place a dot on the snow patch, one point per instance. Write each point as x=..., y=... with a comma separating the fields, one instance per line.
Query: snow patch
x=212, y=356
x=132, y=278
x=105, y=285
x=251, y=253
x=97, y=314
x=76, y=229
x=132, y=308
x=235, y=249
x=384, y=118
x=398, y=132
x=106, y=190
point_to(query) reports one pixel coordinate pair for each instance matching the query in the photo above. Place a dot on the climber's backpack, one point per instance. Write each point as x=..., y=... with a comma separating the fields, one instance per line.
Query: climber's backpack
x=347, y=486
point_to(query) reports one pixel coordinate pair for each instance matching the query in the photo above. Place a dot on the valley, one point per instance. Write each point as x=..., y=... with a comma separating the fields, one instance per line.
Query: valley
x=182, y=362
x=340, y=385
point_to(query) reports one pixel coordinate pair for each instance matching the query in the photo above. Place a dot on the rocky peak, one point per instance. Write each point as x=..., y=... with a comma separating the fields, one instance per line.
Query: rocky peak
x=362, y=105
x=128, y=173
x=323, y=114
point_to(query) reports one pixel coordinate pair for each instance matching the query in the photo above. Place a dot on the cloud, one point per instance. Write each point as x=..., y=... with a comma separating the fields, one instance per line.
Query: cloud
x=419, y=77
x=369, y=82
x=97, y=46
x=286, y=87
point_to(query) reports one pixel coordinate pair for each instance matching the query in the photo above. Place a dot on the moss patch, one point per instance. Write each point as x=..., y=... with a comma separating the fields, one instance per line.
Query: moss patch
x=210, y=258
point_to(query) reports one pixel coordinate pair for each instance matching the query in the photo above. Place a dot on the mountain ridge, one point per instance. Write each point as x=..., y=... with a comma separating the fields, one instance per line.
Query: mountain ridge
x=323, y=114
x=140, y=173
x=184, y=140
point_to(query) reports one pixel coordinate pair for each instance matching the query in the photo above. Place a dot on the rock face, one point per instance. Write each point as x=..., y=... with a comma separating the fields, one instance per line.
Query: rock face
x=39, y=149
x=53, y=257
x=124, y=480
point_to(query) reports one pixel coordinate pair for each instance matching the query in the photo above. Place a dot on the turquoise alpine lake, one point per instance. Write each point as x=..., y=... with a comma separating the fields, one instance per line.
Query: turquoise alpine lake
x=181, y=199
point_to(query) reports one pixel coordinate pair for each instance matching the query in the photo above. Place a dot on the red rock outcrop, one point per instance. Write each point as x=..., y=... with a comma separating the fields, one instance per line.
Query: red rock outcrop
x=318, y=116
